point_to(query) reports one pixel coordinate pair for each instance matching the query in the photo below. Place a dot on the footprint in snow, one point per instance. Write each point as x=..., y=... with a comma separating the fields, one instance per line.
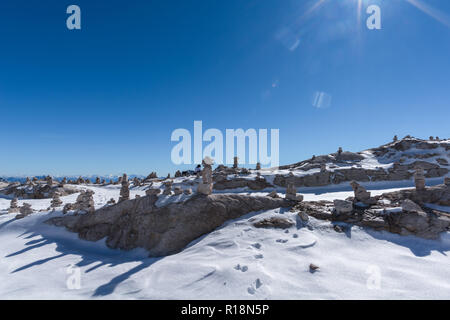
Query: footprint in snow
x=243, y=268
x=252, y=289
x=256, y=245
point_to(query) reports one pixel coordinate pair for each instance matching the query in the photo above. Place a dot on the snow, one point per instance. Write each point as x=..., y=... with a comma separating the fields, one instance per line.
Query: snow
x=236, y=261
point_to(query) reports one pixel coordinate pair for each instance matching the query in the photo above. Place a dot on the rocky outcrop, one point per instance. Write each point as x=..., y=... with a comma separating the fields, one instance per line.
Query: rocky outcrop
x=84, y=203
x=166, y=230
x=125, y=189
x=39, y=190
x=406, y=213
x=259, y=183
x=274, y=222
x=25, y=210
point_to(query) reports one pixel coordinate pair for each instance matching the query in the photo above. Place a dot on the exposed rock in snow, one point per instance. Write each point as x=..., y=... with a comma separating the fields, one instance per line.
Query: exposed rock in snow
x=139, y=223
x=274, y=222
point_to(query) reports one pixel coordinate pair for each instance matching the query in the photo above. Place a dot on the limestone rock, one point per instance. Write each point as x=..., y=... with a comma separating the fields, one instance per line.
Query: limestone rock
x=419, y=179
x=56, y=201
x=13, y=207
x=124, y=190
x=343, y=207
x=361, y=194
x=165, y=230
x=274, y=222
x=25, y=210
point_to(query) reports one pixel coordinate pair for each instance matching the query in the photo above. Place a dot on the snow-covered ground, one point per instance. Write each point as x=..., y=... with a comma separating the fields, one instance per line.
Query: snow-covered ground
x=237, y=261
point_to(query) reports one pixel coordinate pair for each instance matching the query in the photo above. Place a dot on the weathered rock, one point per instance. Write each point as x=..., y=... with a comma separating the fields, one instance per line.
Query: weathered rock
x=13, y=207
x=273, y=194
x=177, y=191
x=235, y=162
x=178, y=174
x=313, y=268
x=361, y=194
x=56, y=201
x=25, y=210
x=343, y=207
x=419, y=179
x=166, y=230
x=274, y=222
x=410, y=206
x=125, y=189
x=258, y=166
x=168, y=188
x=291, y=193
x=187, y=191
x=84, y=203
x=206, y=186
x=152, y=192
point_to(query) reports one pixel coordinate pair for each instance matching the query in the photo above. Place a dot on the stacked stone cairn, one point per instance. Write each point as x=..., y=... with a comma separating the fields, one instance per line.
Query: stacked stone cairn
x=125, y=189
x=235, y=162
x=419, y=179
x=361, y=194
x=13, y=207
x=205, y=187
x=291, y=193
x=168, y=188
x=84, y=203
x=56, y=201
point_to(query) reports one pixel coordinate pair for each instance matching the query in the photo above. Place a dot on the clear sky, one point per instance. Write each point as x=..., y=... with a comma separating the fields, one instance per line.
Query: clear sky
x=105, y=99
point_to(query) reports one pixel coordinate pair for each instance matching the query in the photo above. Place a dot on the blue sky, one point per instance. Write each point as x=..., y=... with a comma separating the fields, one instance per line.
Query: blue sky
x=105, y=99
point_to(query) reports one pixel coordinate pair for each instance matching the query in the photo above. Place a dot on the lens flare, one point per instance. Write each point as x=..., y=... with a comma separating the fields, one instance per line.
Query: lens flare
x=432, y=12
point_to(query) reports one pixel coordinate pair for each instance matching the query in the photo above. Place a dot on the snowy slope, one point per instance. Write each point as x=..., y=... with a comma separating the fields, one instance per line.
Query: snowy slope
x=237, y=261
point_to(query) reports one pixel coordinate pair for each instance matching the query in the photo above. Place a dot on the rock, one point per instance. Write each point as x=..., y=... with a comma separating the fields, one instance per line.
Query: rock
x=338, y=228
x=151, y=192
x=303, y=216
x=291, y=193
x=56, y=201
x=447, y=181
x=124, y=190
x=206, y=186
x=360, y=192
x=168, y=188
x=187, y=191
x=419, y=179
x=273, y=194
x=111, y=201
x=343, y=207
x=13, y=207
x=274, y=222
x=178, y=174
x=205, y=189
x=163, y=230
x=410, y=206
x=313, y=268
x=222, y=183
x=235, y=162
x=25, y=210
x=84, y=203
x=177, y=191
x=258, y=166
x=395, y=138
x=442, y=161
x=97, y=180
